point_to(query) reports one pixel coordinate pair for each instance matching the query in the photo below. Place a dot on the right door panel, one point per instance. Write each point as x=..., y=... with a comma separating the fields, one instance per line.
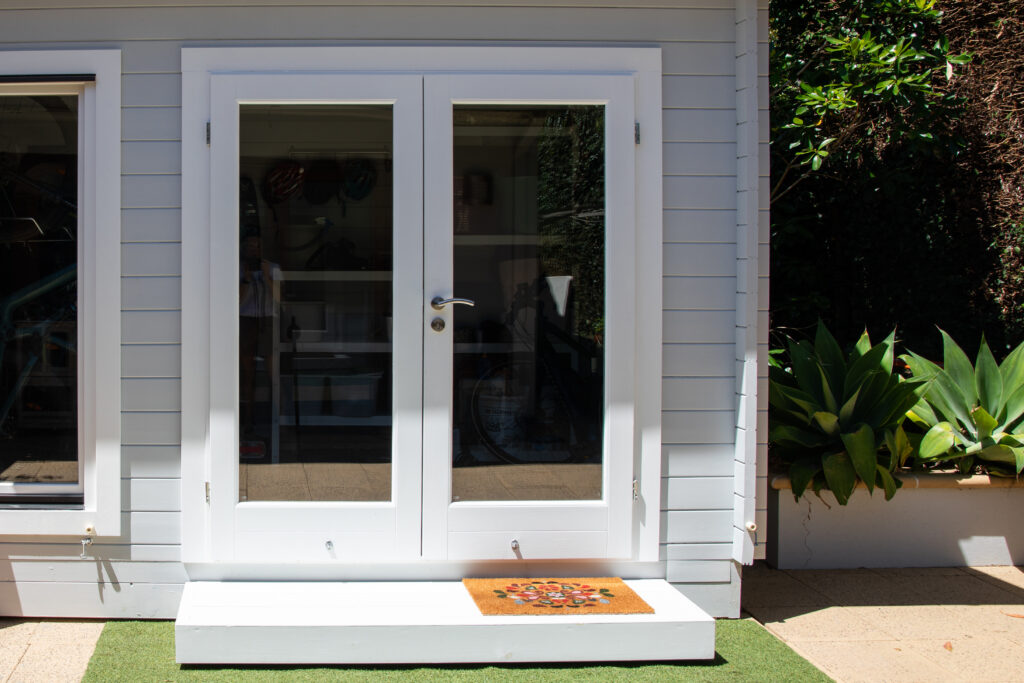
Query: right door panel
x=529, y=392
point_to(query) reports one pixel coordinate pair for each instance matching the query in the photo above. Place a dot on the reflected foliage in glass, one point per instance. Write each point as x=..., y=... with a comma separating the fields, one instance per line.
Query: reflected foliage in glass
x=529, y=224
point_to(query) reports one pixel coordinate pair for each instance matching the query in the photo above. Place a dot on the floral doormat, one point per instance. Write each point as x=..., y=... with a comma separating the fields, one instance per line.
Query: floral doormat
x=603, y=595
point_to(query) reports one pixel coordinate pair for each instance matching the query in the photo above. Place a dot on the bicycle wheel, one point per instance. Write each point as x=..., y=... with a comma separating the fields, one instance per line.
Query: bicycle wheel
x=520, y=416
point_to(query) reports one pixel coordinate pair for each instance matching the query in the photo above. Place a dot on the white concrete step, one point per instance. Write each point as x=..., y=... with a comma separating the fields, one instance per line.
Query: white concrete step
x=420, y=623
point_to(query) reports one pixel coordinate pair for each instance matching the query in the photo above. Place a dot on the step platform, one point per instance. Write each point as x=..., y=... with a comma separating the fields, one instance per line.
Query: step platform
x=239, y=622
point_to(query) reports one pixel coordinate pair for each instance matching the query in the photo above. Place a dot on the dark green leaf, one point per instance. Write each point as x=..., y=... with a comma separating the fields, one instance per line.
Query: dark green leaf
x=861, y=347
x=828, y=422
x=860, y=369
x=840, y=475
x=801, y=473
x=887, y=482
x=786, y=434
x=1012, y=409
x=988, y=380
x=806, y=370
x=830, y=356
x=1012, y=371
x=860, y=445
x=959, y=368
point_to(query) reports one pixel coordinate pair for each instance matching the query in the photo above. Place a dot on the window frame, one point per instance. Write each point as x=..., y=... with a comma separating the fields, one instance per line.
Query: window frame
x=97, y=81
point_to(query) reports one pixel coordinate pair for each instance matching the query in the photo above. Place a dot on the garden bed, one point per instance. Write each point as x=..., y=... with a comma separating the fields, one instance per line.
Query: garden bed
x=934, y=520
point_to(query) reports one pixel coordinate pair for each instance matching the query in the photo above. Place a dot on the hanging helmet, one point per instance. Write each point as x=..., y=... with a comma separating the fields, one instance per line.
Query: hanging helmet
x=283, y=182
x=360, y=178
x=323, y=181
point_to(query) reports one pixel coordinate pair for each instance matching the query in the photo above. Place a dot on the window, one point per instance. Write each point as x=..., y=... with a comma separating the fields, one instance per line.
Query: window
x=59, y=312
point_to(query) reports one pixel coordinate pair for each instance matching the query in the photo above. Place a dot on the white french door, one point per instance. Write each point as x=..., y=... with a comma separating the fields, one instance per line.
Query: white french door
x=316, y=245
x=422, y=316
x=528, y=394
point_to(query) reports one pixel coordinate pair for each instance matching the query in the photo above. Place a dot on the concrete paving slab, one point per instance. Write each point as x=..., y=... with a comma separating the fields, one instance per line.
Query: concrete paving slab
x=915, y=621
x=827, y=624
x=1007, y=578
x=871, y=661
x=964, y=590
x=972, y=658
x=51, y=651
x=15, y=636
x=781, y=590
x=901, y=625
x=858, y=586
x=1006, y=621
x=53, y=662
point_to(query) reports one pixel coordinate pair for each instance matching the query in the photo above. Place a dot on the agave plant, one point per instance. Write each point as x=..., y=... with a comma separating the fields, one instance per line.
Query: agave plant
x=974, y=414
x=837, y=418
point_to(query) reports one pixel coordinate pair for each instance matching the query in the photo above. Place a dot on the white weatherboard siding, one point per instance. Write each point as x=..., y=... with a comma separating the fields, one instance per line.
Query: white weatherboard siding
x=139, y=573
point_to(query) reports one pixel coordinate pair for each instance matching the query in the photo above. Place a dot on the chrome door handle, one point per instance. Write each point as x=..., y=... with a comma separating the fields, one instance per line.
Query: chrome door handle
x=438, y=303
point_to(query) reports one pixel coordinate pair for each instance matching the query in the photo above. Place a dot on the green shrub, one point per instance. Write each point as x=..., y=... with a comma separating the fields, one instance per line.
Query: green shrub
x=836, y=418
x=973, y=413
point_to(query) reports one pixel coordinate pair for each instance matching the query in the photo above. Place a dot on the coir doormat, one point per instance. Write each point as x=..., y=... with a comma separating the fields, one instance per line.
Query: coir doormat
x=602, y=595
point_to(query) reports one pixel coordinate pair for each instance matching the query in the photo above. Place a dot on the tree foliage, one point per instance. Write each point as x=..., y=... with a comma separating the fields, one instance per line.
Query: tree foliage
x=848, y=72
x=886, y=228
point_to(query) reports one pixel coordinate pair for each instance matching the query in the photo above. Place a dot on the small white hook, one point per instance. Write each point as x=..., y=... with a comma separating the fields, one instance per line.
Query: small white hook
x=86, y=541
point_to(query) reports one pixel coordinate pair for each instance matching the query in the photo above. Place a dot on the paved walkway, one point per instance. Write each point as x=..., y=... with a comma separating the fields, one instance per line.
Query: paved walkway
x=881, y=625
x=871, y=625
x=38, y=651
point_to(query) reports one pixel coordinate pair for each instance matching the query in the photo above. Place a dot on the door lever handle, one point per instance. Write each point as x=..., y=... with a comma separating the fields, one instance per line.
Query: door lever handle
x=438, y=303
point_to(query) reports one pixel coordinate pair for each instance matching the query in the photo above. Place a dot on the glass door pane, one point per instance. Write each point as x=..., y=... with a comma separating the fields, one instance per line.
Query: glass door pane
x=315, y=302
x=529, y=248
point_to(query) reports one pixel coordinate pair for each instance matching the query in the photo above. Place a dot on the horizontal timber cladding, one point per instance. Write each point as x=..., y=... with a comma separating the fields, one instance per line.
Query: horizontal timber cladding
x=698, y=42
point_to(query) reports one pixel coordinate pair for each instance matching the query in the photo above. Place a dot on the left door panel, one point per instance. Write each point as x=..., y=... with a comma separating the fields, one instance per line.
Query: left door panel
x=316, y=276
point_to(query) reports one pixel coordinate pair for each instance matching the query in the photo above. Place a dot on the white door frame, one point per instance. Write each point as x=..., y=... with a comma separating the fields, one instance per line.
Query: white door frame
x=252, y=531
x=200, y=419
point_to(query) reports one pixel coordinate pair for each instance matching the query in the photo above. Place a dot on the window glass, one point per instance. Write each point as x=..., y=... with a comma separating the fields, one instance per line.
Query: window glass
x=529, y=236
x=38, y=289
x=315, y=297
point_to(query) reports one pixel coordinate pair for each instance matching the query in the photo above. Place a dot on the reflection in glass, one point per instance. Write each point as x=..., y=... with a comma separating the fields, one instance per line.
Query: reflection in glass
x=529, y=224
x=315, y=293
x=38, y=288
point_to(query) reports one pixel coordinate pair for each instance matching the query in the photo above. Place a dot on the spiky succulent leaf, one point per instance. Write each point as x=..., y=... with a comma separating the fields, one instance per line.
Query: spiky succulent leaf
x=937, y=441
x=846, y=413
x=863, y=368
x=1013, y=408
x=828, y=422
x=984, y=422
x=830, y=357
x=861, y=447
x=959, y=368
x=946, y=397
x=1012, y=371
x=888, y=483
x=840, y=475
x=794, y=436
x=861, y=347
x=827, y=392
x=806, y=370
x=1000, y=453
x=801, y=474
x=899, y=446
x=890, y=352
x=988, y=382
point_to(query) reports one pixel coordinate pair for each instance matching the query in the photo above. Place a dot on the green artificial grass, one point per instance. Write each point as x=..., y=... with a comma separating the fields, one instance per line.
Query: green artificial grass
x=142, y=651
